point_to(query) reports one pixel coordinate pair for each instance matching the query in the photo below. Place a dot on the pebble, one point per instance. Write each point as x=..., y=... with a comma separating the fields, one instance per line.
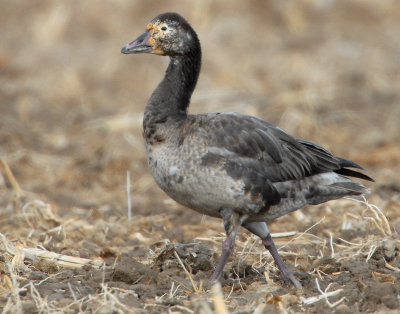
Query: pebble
x=389, y=249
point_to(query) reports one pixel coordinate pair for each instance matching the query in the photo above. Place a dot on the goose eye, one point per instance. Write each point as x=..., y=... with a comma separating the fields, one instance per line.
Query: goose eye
x=164, y=28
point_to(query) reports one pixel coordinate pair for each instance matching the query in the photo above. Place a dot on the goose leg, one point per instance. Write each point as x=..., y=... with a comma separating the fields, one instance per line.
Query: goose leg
x=227, y=248
x=232, y=223
x=286, y=274
x=261, y=229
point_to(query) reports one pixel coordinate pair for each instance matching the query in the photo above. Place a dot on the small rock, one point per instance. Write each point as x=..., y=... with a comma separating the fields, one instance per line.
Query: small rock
x=23, y=292
x=390, y=301
x=130, y=271
x=389, y=249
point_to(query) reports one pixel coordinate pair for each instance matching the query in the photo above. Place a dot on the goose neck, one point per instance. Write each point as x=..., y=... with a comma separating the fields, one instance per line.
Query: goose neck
x=172, y=95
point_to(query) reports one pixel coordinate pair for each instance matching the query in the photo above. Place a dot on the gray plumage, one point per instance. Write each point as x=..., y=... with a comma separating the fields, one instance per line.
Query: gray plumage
x=229, y=165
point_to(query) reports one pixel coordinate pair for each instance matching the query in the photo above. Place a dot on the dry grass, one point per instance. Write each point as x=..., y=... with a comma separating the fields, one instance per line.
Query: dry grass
x=77, y=202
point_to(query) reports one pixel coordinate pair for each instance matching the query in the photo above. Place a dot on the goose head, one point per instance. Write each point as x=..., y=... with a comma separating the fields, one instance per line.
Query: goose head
x=168, y=34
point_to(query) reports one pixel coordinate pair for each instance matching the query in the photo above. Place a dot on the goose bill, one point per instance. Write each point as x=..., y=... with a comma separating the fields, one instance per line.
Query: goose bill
x=139, y=45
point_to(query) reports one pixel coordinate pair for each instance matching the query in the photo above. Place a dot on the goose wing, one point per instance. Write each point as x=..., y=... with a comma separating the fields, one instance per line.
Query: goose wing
x=256, y=144
x=262, y=154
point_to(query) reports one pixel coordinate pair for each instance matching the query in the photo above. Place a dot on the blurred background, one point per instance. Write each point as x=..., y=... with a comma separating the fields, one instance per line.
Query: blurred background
x=71, y=107
x=71, y=104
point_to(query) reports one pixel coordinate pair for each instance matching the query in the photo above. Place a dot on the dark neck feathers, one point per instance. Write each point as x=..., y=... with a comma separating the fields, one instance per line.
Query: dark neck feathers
x=172, y=96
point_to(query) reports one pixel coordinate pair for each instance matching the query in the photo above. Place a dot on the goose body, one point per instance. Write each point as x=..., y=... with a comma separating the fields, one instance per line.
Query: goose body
x=229, y=165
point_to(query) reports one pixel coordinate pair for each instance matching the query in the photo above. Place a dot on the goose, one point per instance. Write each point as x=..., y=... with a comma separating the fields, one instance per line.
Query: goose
x=233, y=166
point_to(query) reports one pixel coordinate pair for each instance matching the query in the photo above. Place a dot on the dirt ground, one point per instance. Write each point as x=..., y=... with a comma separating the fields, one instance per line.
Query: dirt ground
x=70, y=138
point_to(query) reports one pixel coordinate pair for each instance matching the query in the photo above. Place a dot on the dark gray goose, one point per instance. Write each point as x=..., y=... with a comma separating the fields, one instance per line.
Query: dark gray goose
x=229, y=165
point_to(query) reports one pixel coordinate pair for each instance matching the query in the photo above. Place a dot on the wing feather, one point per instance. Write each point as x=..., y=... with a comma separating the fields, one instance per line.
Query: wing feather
x=253, y=144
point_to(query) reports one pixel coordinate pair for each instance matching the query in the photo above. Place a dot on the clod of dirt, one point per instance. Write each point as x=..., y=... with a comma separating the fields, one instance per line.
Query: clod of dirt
x=144, y=291
x=380, y=293
x=198, y=256
x=130, y=271
x=48, y=267
x=303, y=277
x=96, y=276
x=390, y=302
x=55, y=244
x=352, y=291
x=164, y=280
x=37, y=275
x=109, y=252
x=241, y=269
x=89, y=249
x=326, y=264
x=356, y=268
x=166, y=252
x=389, y=249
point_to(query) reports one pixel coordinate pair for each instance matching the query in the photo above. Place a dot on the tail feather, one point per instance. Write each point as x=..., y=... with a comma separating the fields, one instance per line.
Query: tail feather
x=350, y=187
x=349, y=163
x=344, y=164
x=326, y=161
x=353, y=173
x=313, y=190
x=335, y=190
